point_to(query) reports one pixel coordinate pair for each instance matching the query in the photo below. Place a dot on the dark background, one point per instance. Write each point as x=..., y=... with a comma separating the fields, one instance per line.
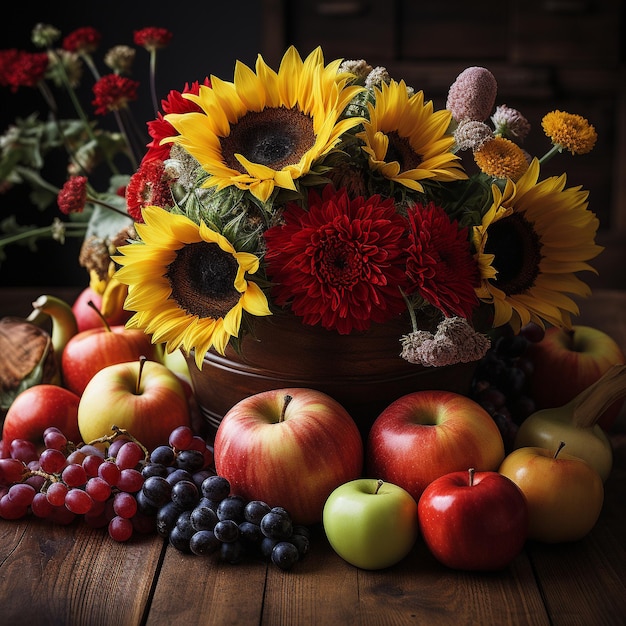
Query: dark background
x=208, y=38
x=545, y=55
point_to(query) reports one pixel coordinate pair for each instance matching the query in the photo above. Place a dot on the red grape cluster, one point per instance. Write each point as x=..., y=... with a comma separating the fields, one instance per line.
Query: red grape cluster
x=501, y=383
x=101, y=483
x=173, y=491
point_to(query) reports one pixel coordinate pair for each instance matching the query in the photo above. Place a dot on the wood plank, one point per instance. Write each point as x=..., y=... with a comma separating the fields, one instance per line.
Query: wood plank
x=193, y=589
x=421, y=590
x=73, y=575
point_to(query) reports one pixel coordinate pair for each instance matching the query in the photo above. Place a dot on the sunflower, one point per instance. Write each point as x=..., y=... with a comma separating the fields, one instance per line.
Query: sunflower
x=406, y=141
x=266, y=130
x=187, y=284
x=531, y=242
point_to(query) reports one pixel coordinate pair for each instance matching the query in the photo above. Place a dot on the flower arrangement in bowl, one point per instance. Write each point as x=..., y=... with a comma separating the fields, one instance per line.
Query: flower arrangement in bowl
x=333, y=199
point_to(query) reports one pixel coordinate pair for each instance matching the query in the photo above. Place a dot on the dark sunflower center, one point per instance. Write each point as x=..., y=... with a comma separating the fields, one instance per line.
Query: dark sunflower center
x=274, y=137
x=517, y=250
x=202, y=278
x=400, y=150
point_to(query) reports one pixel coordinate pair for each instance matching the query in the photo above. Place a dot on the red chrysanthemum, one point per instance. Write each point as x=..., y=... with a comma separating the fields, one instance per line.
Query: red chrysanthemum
x=158, y=129
x=85, y=39
x=440, y=266
x=113, y=92
x=147, y=187
x=152, y=38
x=73, y=195
x=341, y=262
x=22, y=69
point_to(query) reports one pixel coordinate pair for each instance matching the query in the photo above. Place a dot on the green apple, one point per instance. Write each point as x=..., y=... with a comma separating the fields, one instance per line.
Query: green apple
x=144, y=397
x=370, y=523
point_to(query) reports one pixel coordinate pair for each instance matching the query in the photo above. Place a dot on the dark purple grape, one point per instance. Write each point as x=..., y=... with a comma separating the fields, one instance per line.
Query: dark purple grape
x=285, y=555
x=251, y=535
x=203, y=518
x=231, y=508
x=204, y=542
x=215, y=488
x=276, y=525
x=179, y=474
x=226, y=530
x=190, y=460
x=154, y=469
x=255, y=510
x=185, y=494
x=157, y=490
x=301, y=542
x=166, y=518
x=164, y=455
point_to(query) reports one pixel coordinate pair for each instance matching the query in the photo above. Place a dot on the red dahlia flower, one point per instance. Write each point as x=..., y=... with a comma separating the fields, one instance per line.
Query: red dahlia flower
x=440, y=266
x=341, y=263
x=147, y=186
x=73, y=195
x=113, y=92
x=83, y=40
x=152, y=38
x=22, y=69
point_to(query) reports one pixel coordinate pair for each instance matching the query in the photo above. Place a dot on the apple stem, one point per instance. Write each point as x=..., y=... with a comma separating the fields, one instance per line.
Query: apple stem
x=561, y=446
x=591, y=403
x=471, y=471
x=142, y=362
x=92, y=304
x=286, y=400
x=379, y=484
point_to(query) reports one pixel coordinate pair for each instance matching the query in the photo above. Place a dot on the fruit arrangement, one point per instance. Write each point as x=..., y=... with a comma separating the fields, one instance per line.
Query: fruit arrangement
x=495, y=467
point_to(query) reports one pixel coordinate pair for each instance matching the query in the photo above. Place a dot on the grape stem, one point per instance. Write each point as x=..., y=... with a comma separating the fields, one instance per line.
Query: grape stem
x=120, y=432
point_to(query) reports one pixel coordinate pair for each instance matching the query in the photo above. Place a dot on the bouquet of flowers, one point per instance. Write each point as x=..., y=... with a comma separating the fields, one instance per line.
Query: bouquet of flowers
x=337, y=193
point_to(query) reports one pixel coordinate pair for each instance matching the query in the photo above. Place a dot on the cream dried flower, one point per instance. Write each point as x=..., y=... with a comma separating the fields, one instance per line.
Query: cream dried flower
x=120, y=59
x=472, y=134
x=454, y=342
x=359, y=68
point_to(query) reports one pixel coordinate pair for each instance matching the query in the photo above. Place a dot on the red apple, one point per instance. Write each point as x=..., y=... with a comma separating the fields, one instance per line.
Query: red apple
x=89, y=351
x=288, y=447
x=87, y=318
x=37, y=408
x=564, y=493
x=426, y=434
x=567, y=362
x=473, y=520
x=149, y=401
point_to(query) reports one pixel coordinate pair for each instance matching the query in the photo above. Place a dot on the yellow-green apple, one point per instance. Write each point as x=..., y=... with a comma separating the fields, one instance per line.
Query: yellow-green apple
x=91, y=350
x=426, y=434
x=37, y=408
x=370, y=524
x=288, y=447
x=143, y=397
x=474, y=520
x=564, y=493
x=565, y=362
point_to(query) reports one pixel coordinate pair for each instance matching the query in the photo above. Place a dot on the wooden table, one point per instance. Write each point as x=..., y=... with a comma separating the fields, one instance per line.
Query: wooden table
x=75, y=575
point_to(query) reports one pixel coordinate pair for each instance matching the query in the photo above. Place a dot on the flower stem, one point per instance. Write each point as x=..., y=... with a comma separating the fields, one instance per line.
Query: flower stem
x=556, y=148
